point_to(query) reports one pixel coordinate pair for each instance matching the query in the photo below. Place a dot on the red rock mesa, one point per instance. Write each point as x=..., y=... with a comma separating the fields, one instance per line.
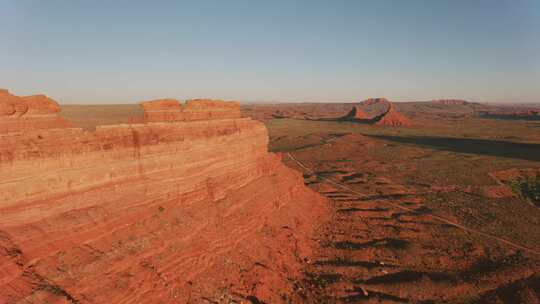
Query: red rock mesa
x=186, y=207
x=356, y=114
x=28, y=113
x=392, y=118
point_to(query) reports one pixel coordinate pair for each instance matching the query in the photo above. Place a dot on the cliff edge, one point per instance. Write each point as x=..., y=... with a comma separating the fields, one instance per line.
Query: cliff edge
x=19, y=114
x=186, y=207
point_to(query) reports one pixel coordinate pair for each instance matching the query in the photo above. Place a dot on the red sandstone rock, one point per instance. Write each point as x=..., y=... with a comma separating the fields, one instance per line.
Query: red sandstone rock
x=161, y=105
x=41, y=104
x=170, y=110
x=18, y=114
x=356, y=114
x=210, y=103
x=11, y=105
x=171, y=212
x=392, y=118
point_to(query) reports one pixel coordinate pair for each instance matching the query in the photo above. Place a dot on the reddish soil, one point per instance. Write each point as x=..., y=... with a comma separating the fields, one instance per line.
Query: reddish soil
x=422, y=214
x=374, y=251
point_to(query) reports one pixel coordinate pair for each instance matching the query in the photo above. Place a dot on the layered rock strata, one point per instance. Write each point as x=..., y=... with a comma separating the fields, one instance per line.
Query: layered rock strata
x=188, y=209
x=19, y=114
x=196, y=109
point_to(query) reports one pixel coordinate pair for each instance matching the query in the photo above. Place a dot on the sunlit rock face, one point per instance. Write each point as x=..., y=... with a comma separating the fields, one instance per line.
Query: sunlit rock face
x=356, y=113
x=197, y=109
x=392, y=118
x=20, y=114
x=184, y=207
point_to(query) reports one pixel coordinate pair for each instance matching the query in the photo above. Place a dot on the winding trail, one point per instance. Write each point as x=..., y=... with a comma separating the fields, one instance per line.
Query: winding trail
x=436, y=217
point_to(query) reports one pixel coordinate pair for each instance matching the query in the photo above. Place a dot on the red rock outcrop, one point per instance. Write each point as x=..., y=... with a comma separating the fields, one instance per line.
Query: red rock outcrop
x=19, y=114
x=11, y=105
x=185, y=211
x=392, y=118
x=356, y=114
x=197, y=109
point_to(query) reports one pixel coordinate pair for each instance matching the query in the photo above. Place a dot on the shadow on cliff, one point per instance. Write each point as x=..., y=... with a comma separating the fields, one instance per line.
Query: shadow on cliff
x=526, y=151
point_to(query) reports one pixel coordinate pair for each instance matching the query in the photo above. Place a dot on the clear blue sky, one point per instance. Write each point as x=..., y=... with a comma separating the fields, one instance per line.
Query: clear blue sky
x=335, y=50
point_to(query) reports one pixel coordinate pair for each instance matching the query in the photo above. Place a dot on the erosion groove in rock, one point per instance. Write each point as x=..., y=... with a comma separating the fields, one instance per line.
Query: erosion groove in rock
x=171, y=211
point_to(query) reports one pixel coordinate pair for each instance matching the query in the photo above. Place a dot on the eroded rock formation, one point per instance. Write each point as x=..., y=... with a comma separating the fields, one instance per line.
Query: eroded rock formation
x=19, y=114
x=196, y=109
x=392, y=118
x=356, y=113
x=188, y=208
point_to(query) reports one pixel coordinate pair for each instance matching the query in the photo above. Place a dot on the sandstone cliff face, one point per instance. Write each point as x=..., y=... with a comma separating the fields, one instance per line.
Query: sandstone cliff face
x=356, y=114
x=189, y=208
x=19, y=114
x=392, y=118
x=197, y=109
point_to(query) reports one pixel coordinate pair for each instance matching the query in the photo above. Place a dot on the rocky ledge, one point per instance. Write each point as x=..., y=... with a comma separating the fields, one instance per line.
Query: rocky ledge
x=184, y=208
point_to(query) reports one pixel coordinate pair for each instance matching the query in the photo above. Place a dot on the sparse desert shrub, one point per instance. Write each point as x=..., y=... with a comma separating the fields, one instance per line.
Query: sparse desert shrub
x=527, y=188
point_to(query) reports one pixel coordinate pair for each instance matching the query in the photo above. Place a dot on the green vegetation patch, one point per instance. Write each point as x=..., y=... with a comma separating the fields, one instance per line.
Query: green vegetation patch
x=527, y=188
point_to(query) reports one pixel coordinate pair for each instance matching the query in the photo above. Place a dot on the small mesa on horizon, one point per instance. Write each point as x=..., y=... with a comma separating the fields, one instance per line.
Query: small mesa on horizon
x=390, y=117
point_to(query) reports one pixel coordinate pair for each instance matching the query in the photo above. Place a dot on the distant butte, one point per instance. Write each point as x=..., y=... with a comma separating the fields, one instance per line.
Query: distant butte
x=356, y=113
x=390, y=117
